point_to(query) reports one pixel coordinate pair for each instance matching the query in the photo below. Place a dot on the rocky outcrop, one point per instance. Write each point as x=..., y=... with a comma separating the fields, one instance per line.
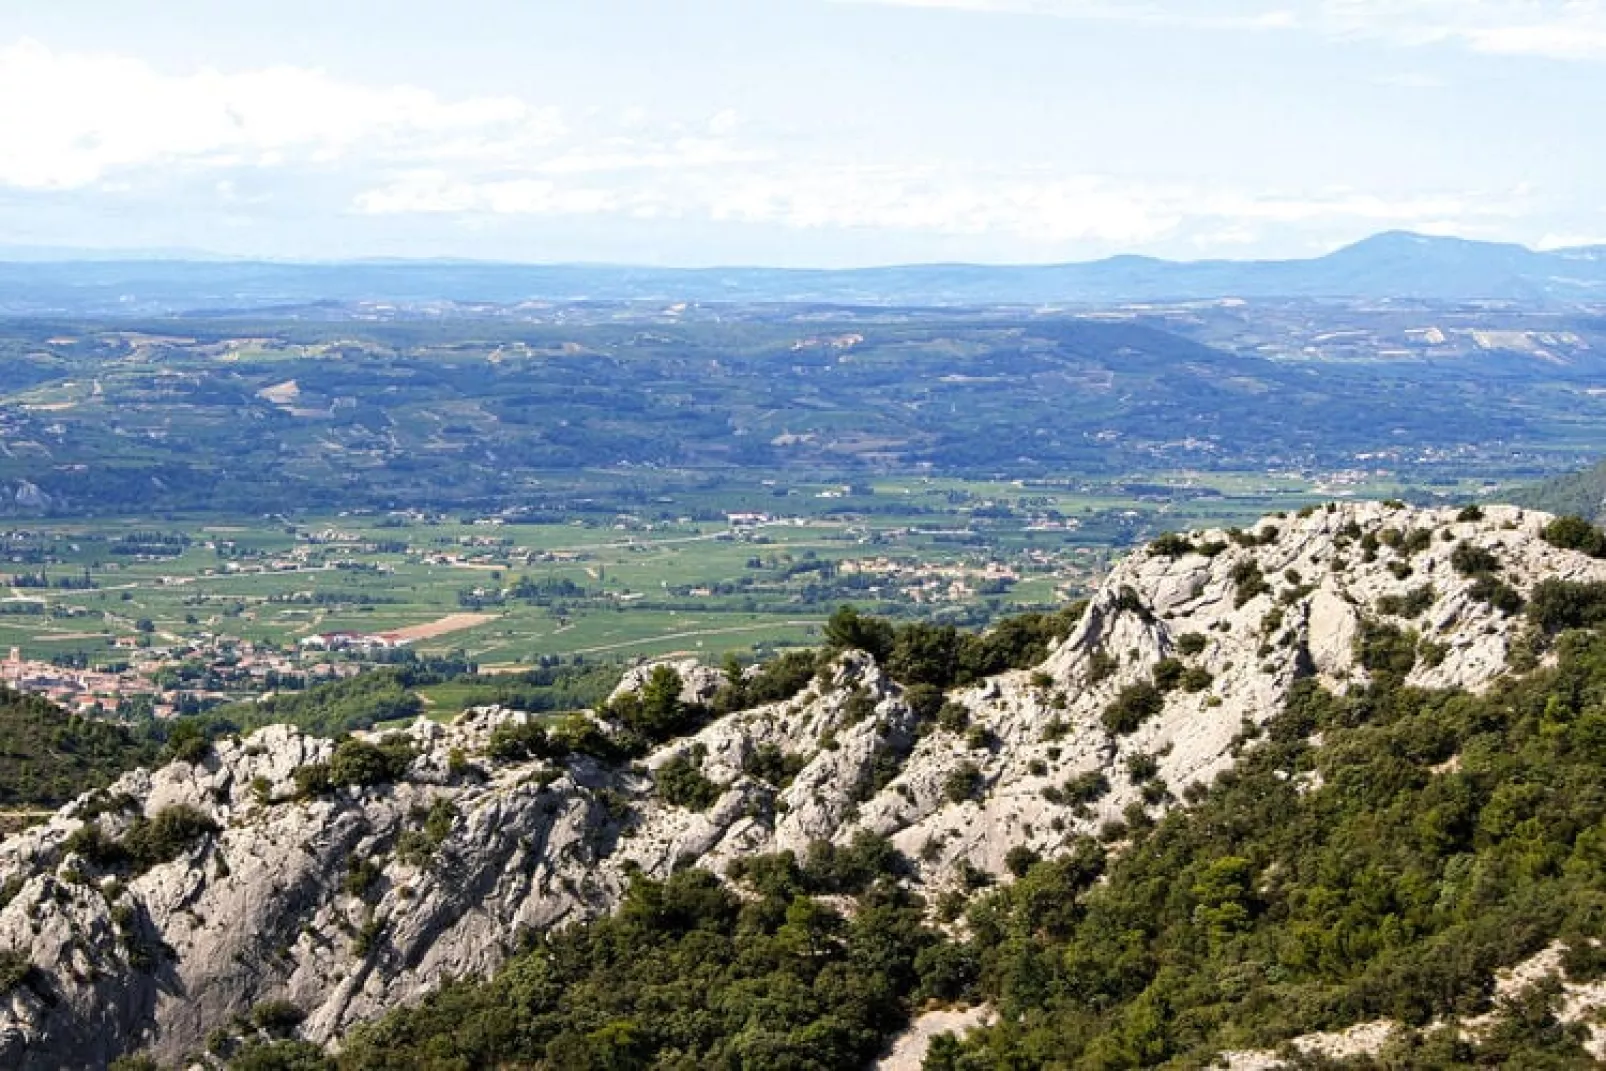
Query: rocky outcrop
x=348, y=902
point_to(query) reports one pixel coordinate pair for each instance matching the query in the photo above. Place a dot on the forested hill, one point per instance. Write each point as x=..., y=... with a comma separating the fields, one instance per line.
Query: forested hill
x=1579, y=493
x=48, y=756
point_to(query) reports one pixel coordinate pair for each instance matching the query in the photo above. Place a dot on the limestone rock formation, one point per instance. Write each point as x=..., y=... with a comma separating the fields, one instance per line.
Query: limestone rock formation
x=348, y=901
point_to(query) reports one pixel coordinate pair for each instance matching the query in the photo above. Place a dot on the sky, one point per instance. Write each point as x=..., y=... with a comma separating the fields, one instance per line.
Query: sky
x=823, y=133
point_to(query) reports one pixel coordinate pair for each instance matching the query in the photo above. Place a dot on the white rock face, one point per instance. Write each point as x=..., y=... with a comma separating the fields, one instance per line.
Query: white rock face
x=698, y=682
x=276, y=906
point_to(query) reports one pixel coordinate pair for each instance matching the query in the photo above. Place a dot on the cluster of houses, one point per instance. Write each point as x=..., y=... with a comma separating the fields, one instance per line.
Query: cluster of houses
x=76, y=689
x=350, y=641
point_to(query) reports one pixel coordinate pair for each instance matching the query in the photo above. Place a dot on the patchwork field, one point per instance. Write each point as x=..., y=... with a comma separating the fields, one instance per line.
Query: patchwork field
x=612, y=582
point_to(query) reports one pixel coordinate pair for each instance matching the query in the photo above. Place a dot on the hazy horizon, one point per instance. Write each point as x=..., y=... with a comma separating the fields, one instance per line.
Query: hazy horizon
x=86, y=255
x=797, y=133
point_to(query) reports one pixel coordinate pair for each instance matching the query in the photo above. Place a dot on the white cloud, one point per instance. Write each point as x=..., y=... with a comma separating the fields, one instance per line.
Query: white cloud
x=1559, y=29
x=68, y=120
x=100, y=123
x=1412, y=210
x=1029, y=208
x=724, y=123
x=434, y=193
x=631, y=154
x=1553, y=242
x=1411, y=80
x=1575, y=40
x=1037, y=208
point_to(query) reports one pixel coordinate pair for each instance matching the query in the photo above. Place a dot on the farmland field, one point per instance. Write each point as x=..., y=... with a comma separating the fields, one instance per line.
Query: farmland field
x=609, y=584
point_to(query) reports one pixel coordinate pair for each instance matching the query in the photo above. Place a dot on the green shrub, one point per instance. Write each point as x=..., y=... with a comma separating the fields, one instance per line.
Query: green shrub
x=134, y=1062
x=96, y=847
x=280, y=1055
x=1101, y=665
x=963, y=783
x=656, y=713
x=1574, y=533
x=1563, y=604
x=313, y=779
x=515, y=741
x=1413, y=603
x=148, y=842
x=867, y=858
x=368, y=936
x=1468, y=559
x=1487, y=587
x=1020, y=859
x=1141, y=767
x=580, y=735
x=1385, y=649
x=681, y=782
x=778, y=679
x=1248, y=581
x=848, y=630
x=924, y=700
x=1135, y=704
x=1171, y=545
x=362, y=874
x=15, y=971
x=278, y=1018
x=186, y=742
x=953, y=717
x=1168, y=674
x=768, y=762
x=1432, y=654
x=1192, y=643
x=1415, y=541
x=1090, y=786
x=420, y=844
x=859, y=706
x=357, y=762
x=167, y=835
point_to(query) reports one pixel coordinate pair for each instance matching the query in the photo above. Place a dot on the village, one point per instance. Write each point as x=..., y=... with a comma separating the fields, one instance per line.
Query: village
x=186, y=678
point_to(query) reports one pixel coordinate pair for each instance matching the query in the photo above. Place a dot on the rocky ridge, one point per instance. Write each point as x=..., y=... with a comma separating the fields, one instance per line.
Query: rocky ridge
x=349, y=901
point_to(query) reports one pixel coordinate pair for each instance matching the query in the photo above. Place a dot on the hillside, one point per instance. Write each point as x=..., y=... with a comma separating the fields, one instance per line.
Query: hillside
x=48, y=756
x=1305, y=755
x=244, y=417
x=1582, y=494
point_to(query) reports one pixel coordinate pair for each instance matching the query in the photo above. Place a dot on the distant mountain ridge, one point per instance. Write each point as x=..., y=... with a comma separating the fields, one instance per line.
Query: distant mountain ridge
x=1391, y=266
